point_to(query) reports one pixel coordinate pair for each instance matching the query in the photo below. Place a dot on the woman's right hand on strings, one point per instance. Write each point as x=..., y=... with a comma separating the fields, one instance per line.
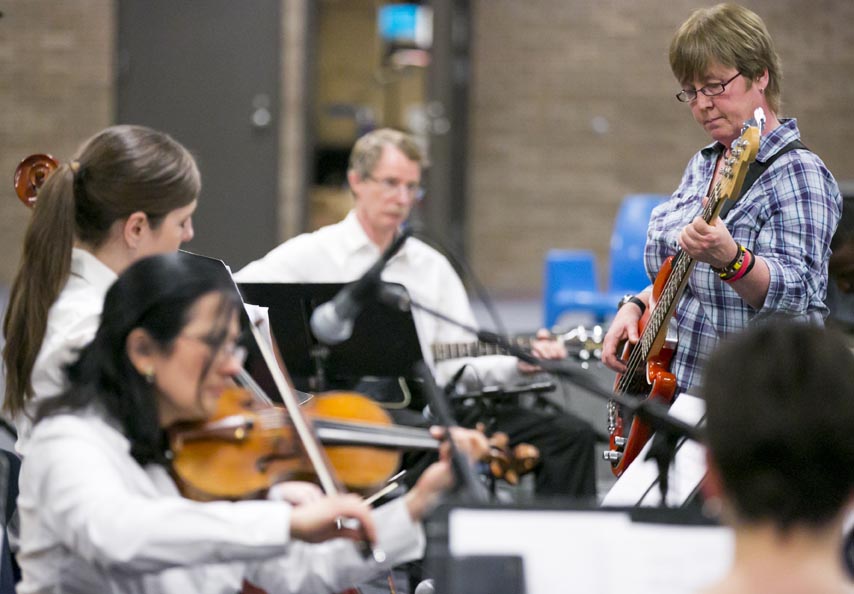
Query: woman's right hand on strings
x=623, y=327
x=331, y=517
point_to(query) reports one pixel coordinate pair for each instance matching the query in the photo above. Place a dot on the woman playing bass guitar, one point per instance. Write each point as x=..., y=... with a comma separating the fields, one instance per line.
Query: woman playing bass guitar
x=769, y=253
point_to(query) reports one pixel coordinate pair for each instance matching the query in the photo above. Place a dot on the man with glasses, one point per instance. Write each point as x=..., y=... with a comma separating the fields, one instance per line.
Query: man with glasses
x=385, y=179
x=769, y=255
x=384, y=176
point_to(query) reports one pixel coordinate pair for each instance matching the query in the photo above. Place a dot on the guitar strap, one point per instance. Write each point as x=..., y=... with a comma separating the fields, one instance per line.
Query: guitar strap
x=756, y=169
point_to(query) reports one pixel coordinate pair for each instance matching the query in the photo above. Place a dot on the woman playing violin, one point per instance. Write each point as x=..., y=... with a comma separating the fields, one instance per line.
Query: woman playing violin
x=100, y=511
x=129, y=192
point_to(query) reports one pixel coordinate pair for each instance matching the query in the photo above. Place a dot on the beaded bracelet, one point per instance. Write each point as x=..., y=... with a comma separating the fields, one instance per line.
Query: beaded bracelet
x=733, y=267
x=739, y=253
x=745, y=268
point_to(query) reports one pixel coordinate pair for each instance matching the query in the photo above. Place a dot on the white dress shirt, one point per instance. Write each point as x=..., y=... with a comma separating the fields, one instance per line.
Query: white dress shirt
x=72, y=322
x=93, y=520
x=343, y=252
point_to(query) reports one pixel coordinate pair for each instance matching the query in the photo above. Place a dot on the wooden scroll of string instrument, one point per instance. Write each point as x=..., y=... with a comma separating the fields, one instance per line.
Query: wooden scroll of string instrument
x=31, y=174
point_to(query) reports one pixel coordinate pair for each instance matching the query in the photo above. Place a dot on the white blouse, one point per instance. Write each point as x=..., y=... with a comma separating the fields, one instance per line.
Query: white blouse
x=93, y=520
x=343, y=252
x=72, y=322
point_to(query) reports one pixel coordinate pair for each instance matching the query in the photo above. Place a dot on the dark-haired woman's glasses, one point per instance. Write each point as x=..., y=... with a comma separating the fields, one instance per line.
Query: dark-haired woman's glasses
x=222, y=350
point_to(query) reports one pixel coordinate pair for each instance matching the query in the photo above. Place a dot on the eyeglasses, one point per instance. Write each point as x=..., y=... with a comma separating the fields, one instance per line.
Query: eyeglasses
x=392, y=185
x=222, y=350
x=712, y=90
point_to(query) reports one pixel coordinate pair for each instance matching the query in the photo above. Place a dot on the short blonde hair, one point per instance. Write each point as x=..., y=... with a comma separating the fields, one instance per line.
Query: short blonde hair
x=732, y=36
x=368, y=150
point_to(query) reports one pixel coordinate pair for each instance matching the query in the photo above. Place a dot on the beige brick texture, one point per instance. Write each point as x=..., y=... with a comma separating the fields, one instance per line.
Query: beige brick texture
x=572, y=108
x=56, y=64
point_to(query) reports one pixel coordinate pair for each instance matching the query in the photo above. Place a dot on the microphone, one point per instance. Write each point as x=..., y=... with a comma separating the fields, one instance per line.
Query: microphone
x=425, y=587
x=332, y=322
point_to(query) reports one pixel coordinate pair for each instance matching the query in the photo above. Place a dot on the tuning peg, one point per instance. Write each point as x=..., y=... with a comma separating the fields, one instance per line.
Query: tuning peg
x=612, y=456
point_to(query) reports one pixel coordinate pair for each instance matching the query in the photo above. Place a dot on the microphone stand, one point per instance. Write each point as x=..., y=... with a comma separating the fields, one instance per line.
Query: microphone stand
x=471, y=488
x=668, y=428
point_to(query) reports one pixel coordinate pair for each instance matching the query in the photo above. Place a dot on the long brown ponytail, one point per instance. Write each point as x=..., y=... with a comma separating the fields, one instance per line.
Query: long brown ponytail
x=119, y=171
x=41, y=274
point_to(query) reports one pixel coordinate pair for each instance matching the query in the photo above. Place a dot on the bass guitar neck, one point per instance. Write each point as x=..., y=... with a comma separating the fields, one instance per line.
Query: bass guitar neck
x=647, y=372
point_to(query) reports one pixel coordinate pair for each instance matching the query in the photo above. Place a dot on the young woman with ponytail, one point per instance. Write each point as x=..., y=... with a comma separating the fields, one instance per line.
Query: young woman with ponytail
x=129, y=192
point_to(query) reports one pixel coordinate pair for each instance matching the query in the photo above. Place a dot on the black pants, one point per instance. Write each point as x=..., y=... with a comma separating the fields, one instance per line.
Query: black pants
x=566, y=443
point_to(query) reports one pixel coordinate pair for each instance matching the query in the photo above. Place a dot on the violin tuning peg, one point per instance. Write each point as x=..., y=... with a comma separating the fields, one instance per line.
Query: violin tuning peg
x=500, y=440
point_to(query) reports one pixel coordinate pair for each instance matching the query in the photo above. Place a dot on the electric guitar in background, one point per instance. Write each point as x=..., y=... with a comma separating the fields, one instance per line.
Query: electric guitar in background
x=648, y=361
x=580, y=343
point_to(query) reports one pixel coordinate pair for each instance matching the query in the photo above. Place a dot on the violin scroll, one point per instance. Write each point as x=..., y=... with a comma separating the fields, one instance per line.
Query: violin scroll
x=509, y=463
x=31, y=174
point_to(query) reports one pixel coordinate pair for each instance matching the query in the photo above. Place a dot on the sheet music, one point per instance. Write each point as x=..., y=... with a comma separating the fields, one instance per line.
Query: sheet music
x=638, y=485
x=562, y=551
x=595, y=552
x=664, y=559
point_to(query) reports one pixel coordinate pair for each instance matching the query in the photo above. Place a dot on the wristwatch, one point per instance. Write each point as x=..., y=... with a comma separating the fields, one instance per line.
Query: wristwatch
x=632, y=299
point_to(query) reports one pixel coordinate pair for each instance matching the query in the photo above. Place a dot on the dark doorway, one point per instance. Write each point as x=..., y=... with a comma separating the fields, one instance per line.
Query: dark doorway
x=207, y=73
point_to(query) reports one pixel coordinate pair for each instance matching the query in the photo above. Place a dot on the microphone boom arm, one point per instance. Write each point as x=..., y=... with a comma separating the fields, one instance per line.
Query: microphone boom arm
x=652, y=412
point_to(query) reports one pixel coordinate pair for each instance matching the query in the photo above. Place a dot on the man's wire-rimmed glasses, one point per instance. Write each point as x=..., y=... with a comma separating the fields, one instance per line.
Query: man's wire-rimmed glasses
x=392, y=185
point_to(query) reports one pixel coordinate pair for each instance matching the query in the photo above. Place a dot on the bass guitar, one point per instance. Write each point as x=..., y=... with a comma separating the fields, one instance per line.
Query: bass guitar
x=648, y=361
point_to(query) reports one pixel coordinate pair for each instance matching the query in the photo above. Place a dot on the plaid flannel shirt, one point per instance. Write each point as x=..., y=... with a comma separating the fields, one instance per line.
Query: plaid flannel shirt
x=787, y=217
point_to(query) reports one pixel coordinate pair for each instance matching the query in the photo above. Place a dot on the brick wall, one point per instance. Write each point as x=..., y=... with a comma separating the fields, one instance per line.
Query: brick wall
x=572, y=108
x=56, y=64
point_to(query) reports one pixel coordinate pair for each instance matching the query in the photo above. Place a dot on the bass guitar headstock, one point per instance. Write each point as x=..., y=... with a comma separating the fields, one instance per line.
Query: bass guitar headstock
x=742, y=153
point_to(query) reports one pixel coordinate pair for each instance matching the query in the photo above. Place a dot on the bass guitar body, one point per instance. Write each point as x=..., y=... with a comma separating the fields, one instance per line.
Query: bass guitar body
x=650, y=379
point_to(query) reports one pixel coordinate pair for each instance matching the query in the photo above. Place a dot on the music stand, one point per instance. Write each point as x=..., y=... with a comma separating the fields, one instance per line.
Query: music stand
x=384, y=342
x=570, y=546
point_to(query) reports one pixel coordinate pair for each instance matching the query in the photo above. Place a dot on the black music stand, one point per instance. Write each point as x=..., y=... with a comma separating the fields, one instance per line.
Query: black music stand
x=384, y=342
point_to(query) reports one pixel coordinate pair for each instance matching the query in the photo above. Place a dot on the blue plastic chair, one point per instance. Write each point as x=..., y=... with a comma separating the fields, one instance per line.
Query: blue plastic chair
x=570, y=283
x=628, y=239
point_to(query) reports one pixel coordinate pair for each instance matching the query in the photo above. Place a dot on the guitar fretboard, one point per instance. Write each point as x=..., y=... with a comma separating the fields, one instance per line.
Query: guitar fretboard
x=732, y=176
x=581, y=342
x=445, y=351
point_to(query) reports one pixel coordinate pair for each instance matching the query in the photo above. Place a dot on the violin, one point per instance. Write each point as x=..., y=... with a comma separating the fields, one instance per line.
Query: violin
x=249, y=445
x=30, y=176
x=358, y=436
